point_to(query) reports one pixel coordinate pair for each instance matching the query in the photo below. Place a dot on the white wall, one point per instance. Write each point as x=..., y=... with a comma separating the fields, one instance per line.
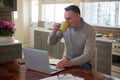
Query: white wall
x=23, y=21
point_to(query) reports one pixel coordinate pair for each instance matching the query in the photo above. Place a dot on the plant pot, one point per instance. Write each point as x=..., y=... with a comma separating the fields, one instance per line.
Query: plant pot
x=4, y=39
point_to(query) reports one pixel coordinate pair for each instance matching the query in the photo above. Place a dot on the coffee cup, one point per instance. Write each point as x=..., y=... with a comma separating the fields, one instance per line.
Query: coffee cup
x=64, y=26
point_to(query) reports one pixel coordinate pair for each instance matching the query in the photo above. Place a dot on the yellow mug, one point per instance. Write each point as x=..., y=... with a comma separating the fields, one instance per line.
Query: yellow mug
x=64, y=26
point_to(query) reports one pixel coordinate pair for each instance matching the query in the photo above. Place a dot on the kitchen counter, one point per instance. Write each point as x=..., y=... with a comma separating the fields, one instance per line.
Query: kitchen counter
x=42, y=29
x=100, y=39
x=98, y=36
x=10, y=43
x=106, y=39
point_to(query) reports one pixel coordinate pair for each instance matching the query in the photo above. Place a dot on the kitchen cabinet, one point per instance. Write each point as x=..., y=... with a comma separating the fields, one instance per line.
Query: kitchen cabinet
x=40, y=42
x=104, y=56
x=10, y=51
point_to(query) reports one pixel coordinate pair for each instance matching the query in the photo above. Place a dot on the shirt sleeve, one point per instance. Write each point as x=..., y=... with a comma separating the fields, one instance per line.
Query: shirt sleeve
x=54, y=37
x=88, y=50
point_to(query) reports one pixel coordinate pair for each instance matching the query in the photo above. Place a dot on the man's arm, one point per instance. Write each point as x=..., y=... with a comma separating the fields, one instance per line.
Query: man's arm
x=55, y=35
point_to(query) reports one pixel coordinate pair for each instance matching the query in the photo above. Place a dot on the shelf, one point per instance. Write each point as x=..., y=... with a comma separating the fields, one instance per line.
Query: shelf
x=116, y=67
x=10, y=5
x=115, y=53
x=115, y=74
x=6, y=9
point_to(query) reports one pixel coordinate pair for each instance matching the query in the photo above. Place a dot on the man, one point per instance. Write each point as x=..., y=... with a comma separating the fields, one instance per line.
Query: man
x=79, y=39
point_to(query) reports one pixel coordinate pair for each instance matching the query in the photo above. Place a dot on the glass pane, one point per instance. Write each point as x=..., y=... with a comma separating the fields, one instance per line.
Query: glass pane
x=106, y=13
x=53, y=12
x=48, y=12
x=119, y=15
x=102, y=13
x=34, y=10
x=15, y=14
x=59, y=12
x=90, y=12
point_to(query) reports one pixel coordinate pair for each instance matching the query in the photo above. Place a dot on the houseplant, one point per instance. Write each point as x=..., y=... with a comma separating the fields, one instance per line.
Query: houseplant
x=7, y=30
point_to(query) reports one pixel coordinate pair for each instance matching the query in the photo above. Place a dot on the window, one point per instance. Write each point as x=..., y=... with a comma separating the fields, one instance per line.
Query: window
x=102, y=13
x=15, y=14
x=34, y=10
x=53, y=12
x=119, y=14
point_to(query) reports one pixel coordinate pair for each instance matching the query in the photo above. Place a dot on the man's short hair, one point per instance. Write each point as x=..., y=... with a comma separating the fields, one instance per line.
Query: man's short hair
x=74, y=8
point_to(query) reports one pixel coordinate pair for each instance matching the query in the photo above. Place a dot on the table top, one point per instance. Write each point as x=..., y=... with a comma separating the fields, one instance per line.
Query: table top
x=13, y=71
x=10, y=43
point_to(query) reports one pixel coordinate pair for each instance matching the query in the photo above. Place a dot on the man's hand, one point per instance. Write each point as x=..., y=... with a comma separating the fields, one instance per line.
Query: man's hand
x=56, y=27
x=64, y=63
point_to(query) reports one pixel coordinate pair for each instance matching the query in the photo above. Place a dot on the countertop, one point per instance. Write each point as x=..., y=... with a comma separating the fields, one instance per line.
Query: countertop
x=42, y=29
x=106, y=39
x=9, y=43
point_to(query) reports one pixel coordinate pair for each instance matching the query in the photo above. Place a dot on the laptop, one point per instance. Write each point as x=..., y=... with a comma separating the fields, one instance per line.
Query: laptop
x=38, y=60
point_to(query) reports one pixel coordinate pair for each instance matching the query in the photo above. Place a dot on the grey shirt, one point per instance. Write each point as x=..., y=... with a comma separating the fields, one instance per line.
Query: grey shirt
x=80, y=42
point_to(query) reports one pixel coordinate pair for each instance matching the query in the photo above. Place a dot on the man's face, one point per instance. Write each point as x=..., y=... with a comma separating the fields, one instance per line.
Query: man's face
x=72, y=18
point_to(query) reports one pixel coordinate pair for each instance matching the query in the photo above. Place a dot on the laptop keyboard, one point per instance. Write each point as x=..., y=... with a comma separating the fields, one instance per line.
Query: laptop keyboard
x=53, y=68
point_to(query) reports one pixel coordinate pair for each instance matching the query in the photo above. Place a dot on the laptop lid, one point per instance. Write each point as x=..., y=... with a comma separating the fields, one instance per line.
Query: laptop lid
x=38, y=60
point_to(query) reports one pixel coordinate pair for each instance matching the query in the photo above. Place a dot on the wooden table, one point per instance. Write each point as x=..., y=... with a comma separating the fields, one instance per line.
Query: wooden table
x=13, y=71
